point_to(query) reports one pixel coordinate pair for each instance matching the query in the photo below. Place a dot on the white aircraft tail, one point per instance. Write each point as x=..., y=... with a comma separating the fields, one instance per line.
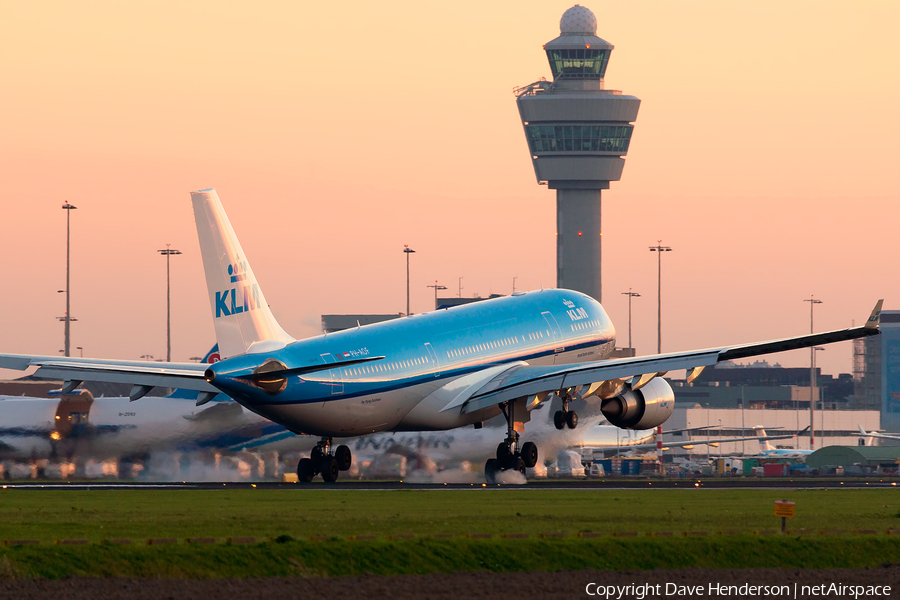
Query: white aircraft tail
x=241, y=316
x=865, y=438
x=764, y=445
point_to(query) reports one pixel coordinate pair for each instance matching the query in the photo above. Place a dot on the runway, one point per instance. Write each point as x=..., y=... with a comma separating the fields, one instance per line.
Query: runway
x=557, y=484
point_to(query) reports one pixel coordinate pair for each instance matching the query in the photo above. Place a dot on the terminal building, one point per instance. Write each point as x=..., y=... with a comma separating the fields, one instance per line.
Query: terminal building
x=876, y=371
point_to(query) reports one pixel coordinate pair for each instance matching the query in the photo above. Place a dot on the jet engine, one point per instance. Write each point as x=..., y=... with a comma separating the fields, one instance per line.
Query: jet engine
x=644, y=408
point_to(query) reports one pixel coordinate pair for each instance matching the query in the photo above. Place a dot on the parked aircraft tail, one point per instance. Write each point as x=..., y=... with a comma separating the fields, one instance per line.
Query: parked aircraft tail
x=764, y=445
x=865, y=438
x=209, y=358
x=242, y=318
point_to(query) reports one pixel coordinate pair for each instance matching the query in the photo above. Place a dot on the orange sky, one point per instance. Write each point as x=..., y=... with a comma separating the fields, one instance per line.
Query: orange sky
x=764, y=153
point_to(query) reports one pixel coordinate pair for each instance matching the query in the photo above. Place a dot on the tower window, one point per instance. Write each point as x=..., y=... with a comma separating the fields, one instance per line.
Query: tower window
x=550, y=137
x=580, y=63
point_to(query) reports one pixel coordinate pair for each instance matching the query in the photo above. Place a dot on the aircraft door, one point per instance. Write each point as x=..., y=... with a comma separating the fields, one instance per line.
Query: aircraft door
x=554, y=331
x=337, y=377
x=432, y=356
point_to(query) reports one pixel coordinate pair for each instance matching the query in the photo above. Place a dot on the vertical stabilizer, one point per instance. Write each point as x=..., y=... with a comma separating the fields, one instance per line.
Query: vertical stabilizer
x=242, y=318
x=764, y=445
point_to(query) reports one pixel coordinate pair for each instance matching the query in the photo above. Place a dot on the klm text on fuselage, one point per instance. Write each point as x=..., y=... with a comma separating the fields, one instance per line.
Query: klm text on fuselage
x=227, y=301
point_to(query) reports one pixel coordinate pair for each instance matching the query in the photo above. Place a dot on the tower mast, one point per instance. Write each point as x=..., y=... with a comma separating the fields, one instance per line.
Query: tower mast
x=578, y=133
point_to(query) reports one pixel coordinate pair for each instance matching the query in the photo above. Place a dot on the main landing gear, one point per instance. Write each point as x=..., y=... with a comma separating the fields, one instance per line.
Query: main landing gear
x=322, y=461
x=510, y=456
x=565, y=417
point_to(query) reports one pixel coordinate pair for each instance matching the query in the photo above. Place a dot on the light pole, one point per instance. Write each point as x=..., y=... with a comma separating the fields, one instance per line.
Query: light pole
x=630, y=295
x=459, y=288
x=659, y=248
x=407, y=250
x=812, y=375
x=68, y=319
x=167, y=253
x=436, y=288
x=812, y=395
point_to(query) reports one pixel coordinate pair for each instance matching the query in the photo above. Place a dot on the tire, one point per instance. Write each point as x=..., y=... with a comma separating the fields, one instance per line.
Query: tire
x=530, y=454
x=330, y=469
x=509, y=462
x=491, y=468
x=572, y=419
x=305, y=470
x=520, y=466
x=559, y=419
x=503, y=452
x=344, y=457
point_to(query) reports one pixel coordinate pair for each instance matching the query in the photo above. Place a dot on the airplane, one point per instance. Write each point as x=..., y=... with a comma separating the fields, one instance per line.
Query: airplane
x=876, y=435
x=78, y=425
x=767, y=450
x=439, y=370
x=605, y=439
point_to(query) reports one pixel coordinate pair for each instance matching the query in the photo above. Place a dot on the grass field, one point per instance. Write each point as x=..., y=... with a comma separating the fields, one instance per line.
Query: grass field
x=98, y=515
x=294, y=516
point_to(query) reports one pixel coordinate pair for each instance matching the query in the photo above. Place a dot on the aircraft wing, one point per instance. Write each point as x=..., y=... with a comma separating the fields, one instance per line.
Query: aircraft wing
x=187, y=376
x=525, y=380
x=874, y=434
x=710, y=442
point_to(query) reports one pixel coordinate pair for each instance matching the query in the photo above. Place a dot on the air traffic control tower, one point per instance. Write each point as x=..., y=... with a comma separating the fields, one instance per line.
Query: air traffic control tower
x=578, y=134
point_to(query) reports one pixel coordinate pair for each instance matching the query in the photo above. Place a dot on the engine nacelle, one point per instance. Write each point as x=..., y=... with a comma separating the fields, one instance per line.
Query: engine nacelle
x=645, y=408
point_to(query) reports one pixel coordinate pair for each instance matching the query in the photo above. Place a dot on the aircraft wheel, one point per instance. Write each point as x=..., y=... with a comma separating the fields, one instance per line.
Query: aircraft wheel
x=559, y=419
x=305, y=470
x=509, y=462
x=330, y=469
x=520, y=466
x=572, y=419
x=491, y=468
x=503, y=452
x=344, y=457
x=530, y=454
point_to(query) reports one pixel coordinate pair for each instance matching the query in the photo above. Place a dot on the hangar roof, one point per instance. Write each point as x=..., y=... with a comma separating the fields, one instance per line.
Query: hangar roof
x=853, y=455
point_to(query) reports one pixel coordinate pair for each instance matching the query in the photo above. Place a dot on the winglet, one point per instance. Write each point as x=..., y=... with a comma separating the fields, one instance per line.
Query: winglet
x=875, y=317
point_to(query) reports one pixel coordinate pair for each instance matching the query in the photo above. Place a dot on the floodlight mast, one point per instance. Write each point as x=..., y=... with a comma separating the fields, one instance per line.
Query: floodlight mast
x=630, y=295
x=659, y=249
x=812, y=376
x=167, y=253
x=67, y=319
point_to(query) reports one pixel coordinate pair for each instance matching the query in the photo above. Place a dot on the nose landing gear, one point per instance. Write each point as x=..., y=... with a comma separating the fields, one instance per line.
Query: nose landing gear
x=323, y=462
x=510, y=456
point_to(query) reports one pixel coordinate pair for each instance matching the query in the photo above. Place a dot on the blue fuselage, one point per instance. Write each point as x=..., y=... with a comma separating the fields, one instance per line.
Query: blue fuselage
x=421, y=355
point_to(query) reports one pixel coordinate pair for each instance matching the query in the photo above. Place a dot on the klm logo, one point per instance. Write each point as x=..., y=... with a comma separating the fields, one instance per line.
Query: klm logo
x=237, y=271
x=234, y=302
x=577, y=314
